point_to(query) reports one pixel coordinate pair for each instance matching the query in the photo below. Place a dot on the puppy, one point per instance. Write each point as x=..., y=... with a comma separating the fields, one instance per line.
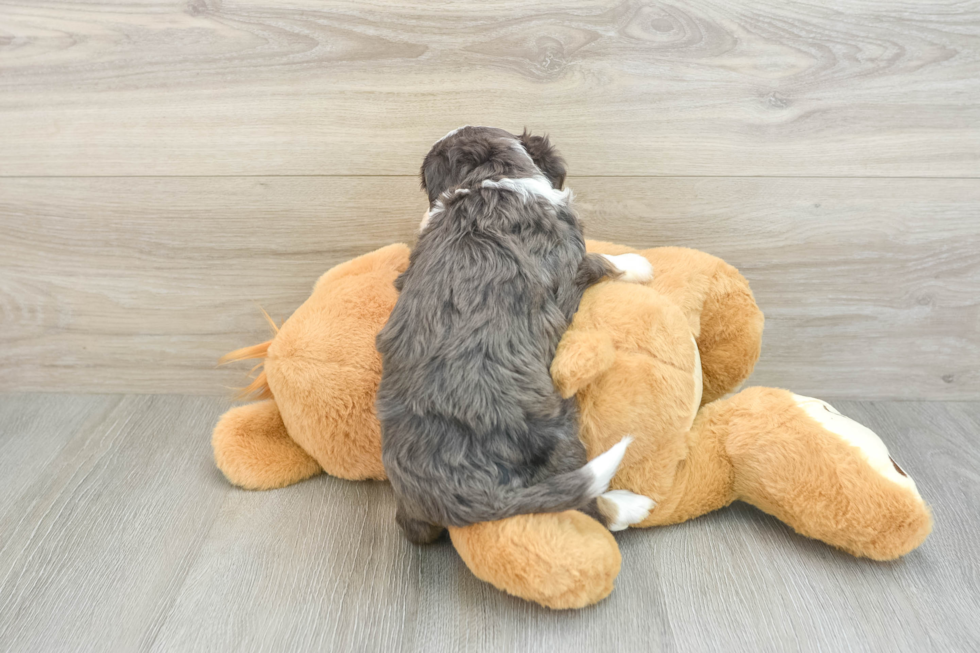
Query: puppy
x=473, y=429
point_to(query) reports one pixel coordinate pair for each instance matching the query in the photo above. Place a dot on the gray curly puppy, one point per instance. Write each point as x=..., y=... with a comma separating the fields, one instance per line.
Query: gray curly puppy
x=473, y=429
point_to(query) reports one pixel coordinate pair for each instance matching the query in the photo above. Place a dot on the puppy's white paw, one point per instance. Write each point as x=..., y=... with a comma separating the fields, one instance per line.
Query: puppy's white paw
x=635, y=268
x=624, y=508
x=604, y=466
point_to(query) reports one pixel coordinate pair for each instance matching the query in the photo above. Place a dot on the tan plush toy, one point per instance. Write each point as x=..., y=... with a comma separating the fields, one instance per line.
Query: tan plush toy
x=650, y=360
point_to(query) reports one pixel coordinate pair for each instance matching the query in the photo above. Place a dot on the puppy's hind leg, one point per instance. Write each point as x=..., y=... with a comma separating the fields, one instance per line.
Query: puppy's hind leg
x=619, y=509
x=622, y=508
x=417, y=531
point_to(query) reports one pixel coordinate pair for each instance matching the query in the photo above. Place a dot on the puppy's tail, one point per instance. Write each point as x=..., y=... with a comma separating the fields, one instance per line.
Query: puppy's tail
x=566, y=491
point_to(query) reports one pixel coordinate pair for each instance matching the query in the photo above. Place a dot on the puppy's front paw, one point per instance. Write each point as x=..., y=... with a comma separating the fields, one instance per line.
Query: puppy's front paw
x=634, y=268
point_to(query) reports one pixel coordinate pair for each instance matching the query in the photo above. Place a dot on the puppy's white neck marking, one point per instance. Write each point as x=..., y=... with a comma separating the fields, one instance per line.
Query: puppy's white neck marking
x=439, y=206
x=528, y=187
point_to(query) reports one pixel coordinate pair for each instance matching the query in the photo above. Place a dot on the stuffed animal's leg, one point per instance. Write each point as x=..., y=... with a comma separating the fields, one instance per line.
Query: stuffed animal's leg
x=721, y=310
x=688, y=480
x=717, y=305
x=825, y=475
x=798, y=459
x=254, y=451
x=559, y=560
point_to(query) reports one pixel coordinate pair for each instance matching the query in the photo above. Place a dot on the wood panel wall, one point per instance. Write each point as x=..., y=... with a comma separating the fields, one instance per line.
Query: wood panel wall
x=168, y=167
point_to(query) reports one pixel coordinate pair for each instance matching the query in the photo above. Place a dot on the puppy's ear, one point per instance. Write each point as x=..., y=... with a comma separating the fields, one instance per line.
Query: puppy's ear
x=546, y=157
x=434, y=175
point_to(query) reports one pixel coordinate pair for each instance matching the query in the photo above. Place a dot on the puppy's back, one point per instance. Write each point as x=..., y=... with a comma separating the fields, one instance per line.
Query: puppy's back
x=480, y=312
x=473, y=428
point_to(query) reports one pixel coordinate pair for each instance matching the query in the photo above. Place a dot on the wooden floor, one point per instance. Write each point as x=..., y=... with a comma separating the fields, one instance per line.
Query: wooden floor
x=119, y=534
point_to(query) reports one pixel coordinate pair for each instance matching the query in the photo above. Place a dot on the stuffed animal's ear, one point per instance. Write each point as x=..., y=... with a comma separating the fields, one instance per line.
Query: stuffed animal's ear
x=546, y=157
x=582, y=355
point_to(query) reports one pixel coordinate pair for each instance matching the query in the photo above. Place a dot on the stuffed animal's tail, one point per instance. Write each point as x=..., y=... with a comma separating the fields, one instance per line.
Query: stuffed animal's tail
x=259, y=387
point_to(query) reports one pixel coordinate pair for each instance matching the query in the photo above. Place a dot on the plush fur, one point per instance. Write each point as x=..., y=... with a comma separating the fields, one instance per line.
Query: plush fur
x=323, y=370
x=631, y=359
x=255, y=451
x=562, y=560
x=759, y=445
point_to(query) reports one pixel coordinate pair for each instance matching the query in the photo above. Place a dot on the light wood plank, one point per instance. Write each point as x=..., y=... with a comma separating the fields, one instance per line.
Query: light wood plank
x=97, y=546
x=763, y=87
x=129, y=540
x=141, y=284
x=35, y=431
x=317, y=566
x=869, y=286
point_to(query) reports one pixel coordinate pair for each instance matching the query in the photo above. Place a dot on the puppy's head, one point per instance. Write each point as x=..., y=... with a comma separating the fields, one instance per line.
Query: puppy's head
x=469, y=155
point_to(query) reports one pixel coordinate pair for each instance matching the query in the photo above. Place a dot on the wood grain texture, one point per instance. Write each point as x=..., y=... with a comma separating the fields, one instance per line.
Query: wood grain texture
x=128, y=539
x=141, y=284
x=869, y=285
x=95, y=546
x=763, y=87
